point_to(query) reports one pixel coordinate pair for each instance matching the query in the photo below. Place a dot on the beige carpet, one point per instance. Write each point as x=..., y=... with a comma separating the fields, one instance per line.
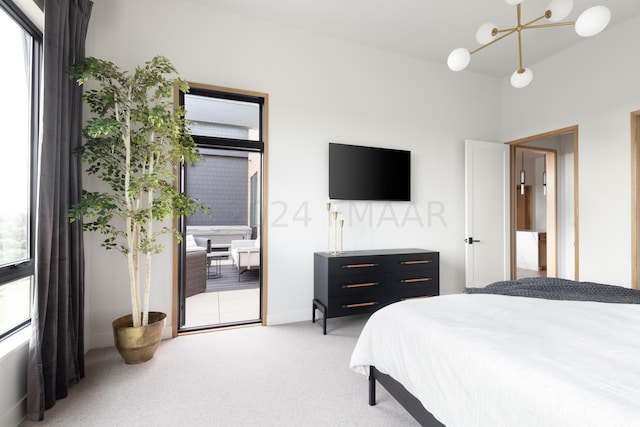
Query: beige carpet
x=286, y=375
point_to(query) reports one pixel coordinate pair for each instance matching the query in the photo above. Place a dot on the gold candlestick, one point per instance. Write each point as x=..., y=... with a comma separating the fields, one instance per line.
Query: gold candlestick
x=328, y=227
x=335, y=226
x=341, y=232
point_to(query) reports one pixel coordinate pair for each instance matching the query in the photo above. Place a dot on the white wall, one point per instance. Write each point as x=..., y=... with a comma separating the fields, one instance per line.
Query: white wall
x=14, y=353
x=595, y=86
x=566, y=208
x=320, y=90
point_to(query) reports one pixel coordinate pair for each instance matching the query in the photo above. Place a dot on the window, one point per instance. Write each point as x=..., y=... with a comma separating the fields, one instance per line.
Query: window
x=218, y=117
x=20, y=51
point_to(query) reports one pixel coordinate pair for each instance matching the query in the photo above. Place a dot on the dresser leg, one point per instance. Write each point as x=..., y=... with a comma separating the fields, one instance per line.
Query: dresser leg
x=318, y=305
x=313, y=311
x=324, y=325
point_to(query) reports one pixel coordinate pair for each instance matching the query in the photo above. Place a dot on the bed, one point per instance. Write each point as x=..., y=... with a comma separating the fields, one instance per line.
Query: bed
x=510, y=354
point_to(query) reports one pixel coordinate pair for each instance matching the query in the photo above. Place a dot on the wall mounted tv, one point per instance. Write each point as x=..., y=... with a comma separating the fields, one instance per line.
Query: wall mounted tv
x=369, y=173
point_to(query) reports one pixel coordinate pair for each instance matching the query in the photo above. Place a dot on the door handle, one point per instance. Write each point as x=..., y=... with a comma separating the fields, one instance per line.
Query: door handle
x=471, y=240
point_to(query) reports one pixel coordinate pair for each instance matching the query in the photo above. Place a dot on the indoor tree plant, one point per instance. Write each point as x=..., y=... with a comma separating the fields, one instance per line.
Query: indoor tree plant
x=135, y=140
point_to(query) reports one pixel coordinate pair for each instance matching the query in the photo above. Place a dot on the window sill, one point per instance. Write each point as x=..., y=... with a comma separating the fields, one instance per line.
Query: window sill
x=15, y=341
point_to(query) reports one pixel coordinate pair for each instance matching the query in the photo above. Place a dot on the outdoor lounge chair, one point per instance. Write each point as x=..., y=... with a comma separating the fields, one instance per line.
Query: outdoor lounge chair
x=245, y=255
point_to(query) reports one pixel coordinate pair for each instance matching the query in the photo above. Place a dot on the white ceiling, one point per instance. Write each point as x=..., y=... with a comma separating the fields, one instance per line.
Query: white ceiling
x=430, y=29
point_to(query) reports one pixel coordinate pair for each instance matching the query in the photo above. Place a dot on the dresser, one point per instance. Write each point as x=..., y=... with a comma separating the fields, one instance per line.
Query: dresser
x=358, y=282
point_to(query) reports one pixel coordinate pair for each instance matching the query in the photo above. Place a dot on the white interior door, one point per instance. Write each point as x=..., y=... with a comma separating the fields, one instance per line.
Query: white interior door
x=487, y=194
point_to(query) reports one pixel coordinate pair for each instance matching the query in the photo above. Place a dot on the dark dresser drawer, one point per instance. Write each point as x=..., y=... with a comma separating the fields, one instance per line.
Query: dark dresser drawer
x=414, y=277
x=415, y=289
x=355, y=265
x=418, y=261
x=415, y=283
x=356, y=304
x=357, y=283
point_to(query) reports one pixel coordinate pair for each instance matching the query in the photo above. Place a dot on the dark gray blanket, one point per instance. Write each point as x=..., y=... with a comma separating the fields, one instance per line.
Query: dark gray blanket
x=560, y=289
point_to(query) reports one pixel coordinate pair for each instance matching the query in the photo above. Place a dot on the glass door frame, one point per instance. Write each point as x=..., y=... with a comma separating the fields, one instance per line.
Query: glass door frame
x=249, y=146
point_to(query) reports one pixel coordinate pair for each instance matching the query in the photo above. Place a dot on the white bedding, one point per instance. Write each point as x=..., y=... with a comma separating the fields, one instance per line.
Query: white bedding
x=492, y=360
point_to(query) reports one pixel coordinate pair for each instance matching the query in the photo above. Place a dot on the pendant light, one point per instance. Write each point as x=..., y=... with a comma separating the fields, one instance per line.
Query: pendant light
x=544, y=176
x=522, y=175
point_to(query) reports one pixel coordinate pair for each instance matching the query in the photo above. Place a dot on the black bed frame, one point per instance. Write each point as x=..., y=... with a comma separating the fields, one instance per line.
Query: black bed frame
x=406, y=399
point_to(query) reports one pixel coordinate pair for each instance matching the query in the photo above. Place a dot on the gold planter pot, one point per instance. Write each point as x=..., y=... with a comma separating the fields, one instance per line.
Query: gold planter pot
x=137, y=345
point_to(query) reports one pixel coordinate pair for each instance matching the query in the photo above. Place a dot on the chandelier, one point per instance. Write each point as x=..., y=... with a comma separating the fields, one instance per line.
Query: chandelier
x=589, y=23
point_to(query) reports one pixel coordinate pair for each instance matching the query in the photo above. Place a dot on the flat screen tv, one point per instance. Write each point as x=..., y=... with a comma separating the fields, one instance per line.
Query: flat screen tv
x=369, y=173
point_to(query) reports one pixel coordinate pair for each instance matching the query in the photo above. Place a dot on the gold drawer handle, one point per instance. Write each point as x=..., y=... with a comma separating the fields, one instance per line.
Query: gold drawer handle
x=420, y=297
x=359, y=285
x=362, y=304
x=359, y=265
x=422, y=279
x=424, y=261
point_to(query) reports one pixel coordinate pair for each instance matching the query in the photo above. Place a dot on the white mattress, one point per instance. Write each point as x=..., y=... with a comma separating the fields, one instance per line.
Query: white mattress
x=491, y=360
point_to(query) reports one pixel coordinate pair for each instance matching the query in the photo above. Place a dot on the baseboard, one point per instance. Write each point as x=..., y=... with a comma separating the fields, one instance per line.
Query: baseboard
x=289, y=317
x=16, y=414
x=105, y=339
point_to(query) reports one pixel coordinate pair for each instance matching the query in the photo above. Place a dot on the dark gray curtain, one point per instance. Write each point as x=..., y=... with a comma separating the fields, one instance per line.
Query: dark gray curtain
x=56, y=353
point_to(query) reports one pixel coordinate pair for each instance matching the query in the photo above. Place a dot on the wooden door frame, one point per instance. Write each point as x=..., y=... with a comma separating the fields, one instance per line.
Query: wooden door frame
x=512, y=149
x=635, y=199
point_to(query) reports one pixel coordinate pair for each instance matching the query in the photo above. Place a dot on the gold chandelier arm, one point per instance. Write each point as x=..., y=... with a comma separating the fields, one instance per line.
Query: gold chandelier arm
x=493, y=41
x=506, y=29
x=519, y=11
x=519, y=38
x=555, y=24
x=520, y=50
x=528, y=24
x=518, y=29
x=547, y=14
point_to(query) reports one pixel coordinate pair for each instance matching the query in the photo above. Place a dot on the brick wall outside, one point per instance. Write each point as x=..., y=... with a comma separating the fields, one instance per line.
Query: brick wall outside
x=220, y=182
x=255, y=168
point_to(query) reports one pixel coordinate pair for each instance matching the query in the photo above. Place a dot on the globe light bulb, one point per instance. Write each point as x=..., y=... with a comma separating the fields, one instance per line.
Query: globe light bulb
x=592, y=21
x=560, y=9
x=484, y=34
x=458, y=59
x=521, y=78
